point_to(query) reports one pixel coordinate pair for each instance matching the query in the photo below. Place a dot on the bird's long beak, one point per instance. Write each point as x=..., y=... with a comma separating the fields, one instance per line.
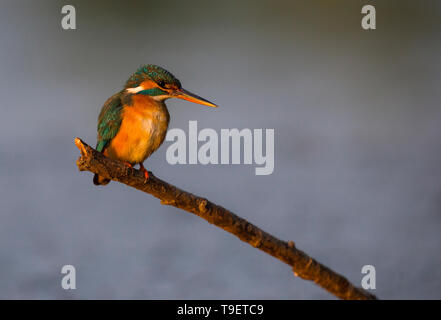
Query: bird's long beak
x=187, y=95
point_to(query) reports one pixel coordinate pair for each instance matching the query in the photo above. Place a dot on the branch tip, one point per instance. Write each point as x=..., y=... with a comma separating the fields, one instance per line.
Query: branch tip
x=80, y=145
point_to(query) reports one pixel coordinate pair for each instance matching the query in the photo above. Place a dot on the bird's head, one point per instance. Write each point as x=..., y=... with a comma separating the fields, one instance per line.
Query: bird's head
x=160, y=84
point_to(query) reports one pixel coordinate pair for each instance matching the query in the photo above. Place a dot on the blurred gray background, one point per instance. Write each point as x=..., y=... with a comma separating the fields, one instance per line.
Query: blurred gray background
x=357, y=122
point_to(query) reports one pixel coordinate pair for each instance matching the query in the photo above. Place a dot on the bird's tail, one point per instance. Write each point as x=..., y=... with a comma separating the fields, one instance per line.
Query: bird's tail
x=100, y=181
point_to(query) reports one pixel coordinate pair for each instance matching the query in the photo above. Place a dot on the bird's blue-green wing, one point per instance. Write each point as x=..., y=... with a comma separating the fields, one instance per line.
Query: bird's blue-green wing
x=109, y=121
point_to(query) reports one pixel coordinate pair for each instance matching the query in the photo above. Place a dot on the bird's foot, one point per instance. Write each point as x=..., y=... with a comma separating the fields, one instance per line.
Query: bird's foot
x=128, y=164
x=144, y=171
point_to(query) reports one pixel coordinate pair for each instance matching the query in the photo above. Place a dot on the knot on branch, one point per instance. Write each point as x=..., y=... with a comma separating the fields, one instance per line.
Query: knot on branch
x=203, y=206
x=306, y=272
x=258, y=241
x=168, y=202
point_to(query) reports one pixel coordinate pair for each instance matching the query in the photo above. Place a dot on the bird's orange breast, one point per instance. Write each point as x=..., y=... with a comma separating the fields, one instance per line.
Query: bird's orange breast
x=143, y=128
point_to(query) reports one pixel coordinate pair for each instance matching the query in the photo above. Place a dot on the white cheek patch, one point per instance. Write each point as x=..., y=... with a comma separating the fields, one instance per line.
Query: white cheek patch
x=135, y=90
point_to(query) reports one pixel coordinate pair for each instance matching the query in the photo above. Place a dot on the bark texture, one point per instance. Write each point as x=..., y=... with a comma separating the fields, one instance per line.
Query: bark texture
x=302, y=264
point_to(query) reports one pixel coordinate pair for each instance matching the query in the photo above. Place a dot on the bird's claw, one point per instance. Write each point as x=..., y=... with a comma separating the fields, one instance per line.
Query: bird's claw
x=128, y=164
x=144, y=171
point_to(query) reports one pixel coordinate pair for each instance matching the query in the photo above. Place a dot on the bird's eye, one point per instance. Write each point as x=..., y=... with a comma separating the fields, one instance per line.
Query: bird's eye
x=161, y=83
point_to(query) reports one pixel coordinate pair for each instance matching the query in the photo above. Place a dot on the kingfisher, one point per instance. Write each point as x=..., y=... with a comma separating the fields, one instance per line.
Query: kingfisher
x=133, y=123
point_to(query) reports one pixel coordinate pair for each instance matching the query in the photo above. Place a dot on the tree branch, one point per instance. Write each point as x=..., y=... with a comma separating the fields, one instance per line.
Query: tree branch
x=303, y=265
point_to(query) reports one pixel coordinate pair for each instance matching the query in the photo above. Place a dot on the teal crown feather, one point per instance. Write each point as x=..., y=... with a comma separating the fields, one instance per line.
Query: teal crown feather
x=154, y=73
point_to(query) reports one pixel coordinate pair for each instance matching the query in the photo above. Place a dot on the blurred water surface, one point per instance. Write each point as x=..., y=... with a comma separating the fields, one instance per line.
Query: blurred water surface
x=357, y=147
